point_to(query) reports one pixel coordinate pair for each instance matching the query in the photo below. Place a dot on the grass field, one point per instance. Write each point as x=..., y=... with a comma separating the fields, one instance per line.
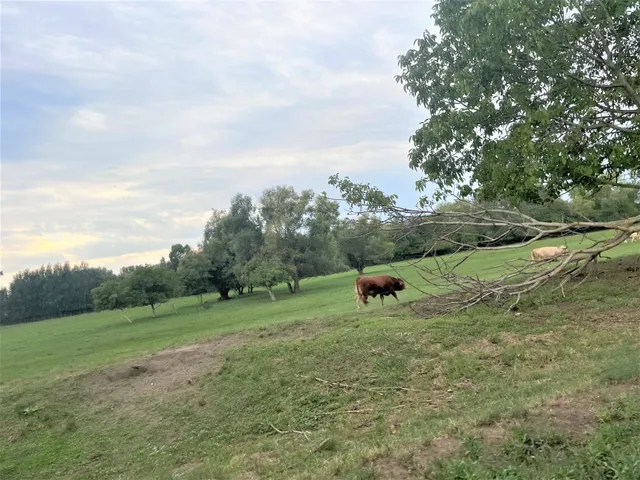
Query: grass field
x=308, y=388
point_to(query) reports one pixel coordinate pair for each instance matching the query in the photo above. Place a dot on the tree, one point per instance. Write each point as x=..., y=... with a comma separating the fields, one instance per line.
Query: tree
x=266, y=270
x=319, y=245
x=176, y=253
x=243, y=227
x=363, y=243
x=52, y=291
x=194, y=273
x=527, y=99
x=150, y=285
x=285, y=213
x=111, y=295
x=217, y=249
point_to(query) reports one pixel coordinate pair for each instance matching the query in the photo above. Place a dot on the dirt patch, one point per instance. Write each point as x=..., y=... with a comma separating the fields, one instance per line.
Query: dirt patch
x=439, y=448
x=389, y=468
x=300, y=330
x=482, y=347
x=186, y=469
x=575, y=416
x=413, y=465
x=159, y=375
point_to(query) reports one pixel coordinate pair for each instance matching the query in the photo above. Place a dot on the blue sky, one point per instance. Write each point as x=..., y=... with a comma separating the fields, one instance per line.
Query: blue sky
x=124, y=123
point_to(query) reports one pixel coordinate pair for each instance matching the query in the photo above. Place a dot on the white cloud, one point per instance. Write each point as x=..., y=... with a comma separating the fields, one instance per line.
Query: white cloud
x=170, y=108
x=90, y=120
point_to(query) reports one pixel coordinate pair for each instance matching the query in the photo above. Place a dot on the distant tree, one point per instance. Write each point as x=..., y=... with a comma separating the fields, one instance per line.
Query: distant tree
x=217, y=249
x=194, y=273
x=363, y=243
x=177, y=252
x=111, y=295
x=4, y=298
x=243, y=228
x=52, y=291
x=319, y=243
x=267, y=270
x=285, y=213
x=150, y=285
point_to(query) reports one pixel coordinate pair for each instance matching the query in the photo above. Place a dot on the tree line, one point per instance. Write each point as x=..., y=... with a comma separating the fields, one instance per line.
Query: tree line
x=286, y=237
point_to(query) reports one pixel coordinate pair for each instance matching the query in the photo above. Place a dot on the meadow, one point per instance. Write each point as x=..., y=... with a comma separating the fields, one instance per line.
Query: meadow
x=306, y=387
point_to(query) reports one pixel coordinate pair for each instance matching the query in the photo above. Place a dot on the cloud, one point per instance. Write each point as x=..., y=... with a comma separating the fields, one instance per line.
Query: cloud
x=124, y=123
x=90, y=120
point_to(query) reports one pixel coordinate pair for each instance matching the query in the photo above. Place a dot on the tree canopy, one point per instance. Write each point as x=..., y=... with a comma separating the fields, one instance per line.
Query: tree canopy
x=526, y=100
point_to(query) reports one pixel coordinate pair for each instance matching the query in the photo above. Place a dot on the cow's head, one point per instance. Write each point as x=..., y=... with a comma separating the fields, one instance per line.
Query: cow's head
x=563, y=247
x=398, y=284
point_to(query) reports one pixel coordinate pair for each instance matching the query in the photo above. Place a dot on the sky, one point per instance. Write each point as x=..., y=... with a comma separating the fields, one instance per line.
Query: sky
x=123, y=124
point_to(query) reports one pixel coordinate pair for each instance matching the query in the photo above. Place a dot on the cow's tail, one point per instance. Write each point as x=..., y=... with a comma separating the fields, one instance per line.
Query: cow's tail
x=356, y=289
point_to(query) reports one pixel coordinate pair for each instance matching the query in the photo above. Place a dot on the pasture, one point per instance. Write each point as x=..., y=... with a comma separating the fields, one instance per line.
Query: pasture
x=307, y=388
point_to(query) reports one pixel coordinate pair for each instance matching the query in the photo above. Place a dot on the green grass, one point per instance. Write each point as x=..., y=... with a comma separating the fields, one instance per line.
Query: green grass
x=371, y=394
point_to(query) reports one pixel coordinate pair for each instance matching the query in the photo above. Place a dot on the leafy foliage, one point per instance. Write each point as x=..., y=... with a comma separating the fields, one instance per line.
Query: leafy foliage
x=150, y=285
x=364, y=242
x=51, y=291
x=194, y=273
x=177, y=252
x=110, y=296
x=266, y=270
x=526, y=99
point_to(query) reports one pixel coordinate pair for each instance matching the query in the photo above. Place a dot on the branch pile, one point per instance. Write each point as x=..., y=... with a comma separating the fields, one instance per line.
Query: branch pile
x=484, y=229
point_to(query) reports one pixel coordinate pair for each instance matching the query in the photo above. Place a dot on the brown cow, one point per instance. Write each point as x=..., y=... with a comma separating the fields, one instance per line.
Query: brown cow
x=378, y=285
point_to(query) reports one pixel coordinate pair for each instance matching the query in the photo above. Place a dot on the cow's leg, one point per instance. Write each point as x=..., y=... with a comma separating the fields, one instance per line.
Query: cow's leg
x=357, y=301
x=382, y=299
x=395, y=296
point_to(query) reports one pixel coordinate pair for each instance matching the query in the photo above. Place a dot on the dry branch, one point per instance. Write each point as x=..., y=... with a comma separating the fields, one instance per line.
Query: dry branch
x=284, y=432
x=456, y=291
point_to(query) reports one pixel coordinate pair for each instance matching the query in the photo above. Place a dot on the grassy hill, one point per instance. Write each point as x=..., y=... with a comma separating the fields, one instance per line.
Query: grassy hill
x=308, y=388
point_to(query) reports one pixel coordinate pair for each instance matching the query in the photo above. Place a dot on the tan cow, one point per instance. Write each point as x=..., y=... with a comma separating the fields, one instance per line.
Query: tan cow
x=378, y=285
x=547, y=253
x=633, y=237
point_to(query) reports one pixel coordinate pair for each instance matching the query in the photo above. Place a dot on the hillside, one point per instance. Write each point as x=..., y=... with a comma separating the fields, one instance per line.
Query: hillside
x=306, y=387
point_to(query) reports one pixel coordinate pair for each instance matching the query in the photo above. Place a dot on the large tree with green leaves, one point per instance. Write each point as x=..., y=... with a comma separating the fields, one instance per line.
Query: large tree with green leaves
x=267, y=270
x=111, y=295
x=194, y=273
x=216, y=247
x=527, y=100
x=149, y=285
x=243, y=227
x=285, y=213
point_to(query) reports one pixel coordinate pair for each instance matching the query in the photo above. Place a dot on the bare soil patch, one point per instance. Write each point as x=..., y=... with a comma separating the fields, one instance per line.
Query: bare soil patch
x=573, y=415
x=160, y=375
x=412, y=465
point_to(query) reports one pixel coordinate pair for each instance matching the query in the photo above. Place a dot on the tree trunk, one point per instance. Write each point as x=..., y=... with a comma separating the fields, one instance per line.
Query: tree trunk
x=296, y=285
x=200, y=299
x=153, y=310
x=290, y=287
x=241, y=291
x=224, y=294
x=250, y=288
x=360, y=270
x=273, y=298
